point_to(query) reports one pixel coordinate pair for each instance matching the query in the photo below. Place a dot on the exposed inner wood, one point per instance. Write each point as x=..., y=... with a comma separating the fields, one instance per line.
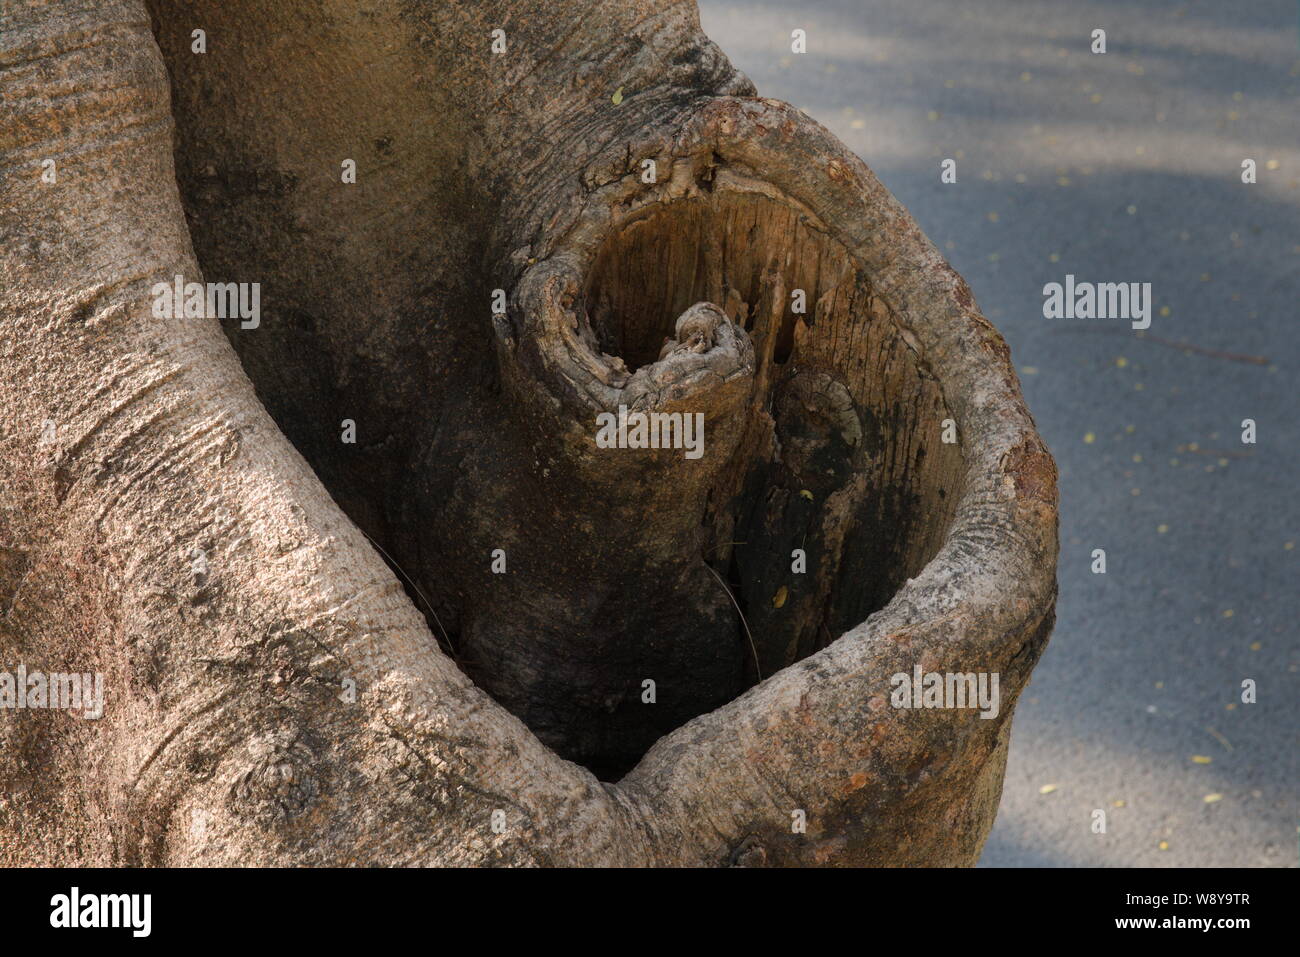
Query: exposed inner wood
x=840, y=458
x=844, y=459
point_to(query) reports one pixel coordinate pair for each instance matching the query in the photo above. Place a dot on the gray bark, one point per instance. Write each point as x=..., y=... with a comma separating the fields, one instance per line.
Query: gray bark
x=226, y=739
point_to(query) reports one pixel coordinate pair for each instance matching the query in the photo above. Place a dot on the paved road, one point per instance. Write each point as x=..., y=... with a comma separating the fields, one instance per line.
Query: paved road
x=1122, y=167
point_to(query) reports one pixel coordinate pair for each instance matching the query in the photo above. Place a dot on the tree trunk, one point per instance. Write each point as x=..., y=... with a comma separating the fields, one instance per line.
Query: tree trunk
x=209, y=543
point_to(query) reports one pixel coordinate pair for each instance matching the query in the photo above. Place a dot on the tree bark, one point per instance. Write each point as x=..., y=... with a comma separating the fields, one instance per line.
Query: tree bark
x=228, y=735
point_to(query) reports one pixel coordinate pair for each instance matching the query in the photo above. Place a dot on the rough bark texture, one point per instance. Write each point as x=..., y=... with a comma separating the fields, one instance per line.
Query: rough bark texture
x=225, y=738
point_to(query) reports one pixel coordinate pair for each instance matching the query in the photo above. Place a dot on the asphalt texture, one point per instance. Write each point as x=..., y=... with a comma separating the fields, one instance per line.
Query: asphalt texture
x=1123, y=166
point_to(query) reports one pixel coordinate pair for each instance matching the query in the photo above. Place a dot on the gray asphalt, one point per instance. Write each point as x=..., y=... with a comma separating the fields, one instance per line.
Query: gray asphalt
x=1118, y=167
